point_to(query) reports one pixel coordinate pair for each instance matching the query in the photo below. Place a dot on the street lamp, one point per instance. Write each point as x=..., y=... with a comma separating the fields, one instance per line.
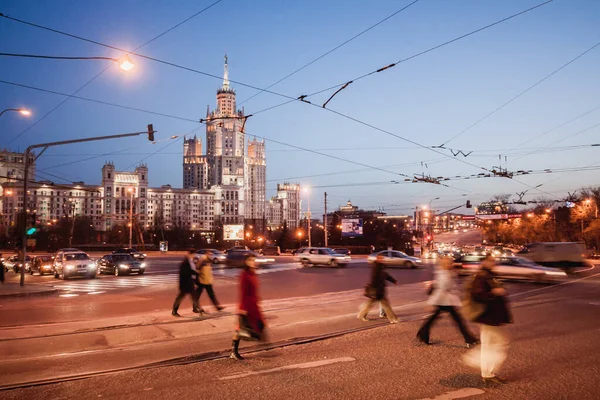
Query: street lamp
x=299, y=234
x=308, y=216
x=131, y=191
x=22, y=111
x=125, y=63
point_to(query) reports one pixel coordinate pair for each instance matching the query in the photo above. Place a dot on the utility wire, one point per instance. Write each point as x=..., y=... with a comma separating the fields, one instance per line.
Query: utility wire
x=332, y=50
x=520, y=94
x=101, y=72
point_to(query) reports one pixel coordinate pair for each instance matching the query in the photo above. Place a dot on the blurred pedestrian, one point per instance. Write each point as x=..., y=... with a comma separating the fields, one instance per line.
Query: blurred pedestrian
x=251, y=324
x=375, y=291
x=493, y=318
x=205, y=280
x=444, y=298
x=2, y=269
x=187, y=275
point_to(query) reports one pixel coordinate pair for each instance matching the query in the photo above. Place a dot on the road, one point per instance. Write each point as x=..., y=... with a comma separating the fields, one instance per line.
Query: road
x=91, y=327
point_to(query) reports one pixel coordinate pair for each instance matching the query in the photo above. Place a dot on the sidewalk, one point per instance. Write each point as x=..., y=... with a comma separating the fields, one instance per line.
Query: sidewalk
x=14, y=289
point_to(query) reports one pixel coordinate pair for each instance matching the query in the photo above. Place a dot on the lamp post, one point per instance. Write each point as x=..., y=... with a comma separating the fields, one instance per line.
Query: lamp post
x=131, y=191
x=44, y=146
x=432, y=219
x=308, y=216
x=125, y=63
x=22, y=111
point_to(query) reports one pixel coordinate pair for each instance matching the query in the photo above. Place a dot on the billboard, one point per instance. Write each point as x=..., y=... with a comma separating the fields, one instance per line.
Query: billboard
x=233, y=232
x=352, y=227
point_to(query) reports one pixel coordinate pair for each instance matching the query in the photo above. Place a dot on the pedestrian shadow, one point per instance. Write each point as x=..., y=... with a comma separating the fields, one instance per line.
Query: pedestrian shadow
x=463, y=380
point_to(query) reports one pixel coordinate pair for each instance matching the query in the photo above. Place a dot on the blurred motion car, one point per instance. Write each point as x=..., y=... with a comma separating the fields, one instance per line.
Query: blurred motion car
x=321, y=256
x=395, y=258
x=73, y=262
x=235, y=258
x=215, y=256
x=518, y=268
x=120, y=264
x=271, y=251
x=42, y=265
x=138, y=255
x=342, y=250
x=555, y=254
x=15, y=264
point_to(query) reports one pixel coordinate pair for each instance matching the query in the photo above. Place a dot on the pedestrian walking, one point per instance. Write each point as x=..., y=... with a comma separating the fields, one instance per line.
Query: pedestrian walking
x=375, y=291
x=2, y=269
x=444, y=297
x=251, y=324
x=187, y=275
x=205, y=280
x=492, y=318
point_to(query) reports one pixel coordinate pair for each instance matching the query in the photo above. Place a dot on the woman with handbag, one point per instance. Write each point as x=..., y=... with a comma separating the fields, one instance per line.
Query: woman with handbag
x=444, y=298
x=375, y=291
x=251, y=323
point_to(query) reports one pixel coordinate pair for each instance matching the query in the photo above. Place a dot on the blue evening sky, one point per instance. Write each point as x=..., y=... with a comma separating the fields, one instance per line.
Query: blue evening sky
x=428, y=99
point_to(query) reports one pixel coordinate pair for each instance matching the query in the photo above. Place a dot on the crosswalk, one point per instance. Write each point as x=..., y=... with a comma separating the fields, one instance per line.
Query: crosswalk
x=105, y=283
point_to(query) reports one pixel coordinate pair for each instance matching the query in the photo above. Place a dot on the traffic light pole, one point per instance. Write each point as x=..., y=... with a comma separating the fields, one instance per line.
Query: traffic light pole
x=150, y=132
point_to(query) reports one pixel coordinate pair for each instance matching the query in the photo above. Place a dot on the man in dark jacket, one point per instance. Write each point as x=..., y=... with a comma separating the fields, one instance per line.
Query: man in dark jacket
x=187, y=276
x=496, y=314
x=375, y=291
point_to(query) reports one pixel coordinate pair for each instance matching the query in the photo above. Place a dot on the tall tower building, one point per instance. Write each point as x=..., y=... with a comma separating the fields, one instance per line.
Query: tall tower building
x=225, y=154
x=256, y=177
x=195, y=166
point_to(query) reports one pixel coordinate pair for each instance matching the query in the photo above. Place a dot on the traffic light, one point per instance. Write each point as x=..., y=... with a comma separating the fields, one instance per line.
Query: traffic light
x=469, y=204
x=31, y=231
x=150, y=133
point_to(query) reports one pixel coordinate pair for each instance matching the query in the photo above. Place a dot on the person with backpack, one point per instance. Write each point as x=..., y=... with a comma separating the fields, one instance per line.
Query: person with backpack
x=375, y=291
x=487, y=304
x=444, y=298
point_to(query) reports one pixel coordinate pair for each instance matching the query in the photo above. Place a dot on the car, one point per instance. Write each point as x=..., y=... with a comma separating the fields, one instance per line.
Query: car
x=216, y=256
x=321, y=256
x=518, y=268
x=237, y=248
x=138, y=255
x=431, y=254
x=271, y=251
x=556, y=254
x=342, y=250
x=236, y=258
x=296, y=251
x=395, y=258
x=15, y=264
x=42, y=265
x=120, y=264
x=73, y=262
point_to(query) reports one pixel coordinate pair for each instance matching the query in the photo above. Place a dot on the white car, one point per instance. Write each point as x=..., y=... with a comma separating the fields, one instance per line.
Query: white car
x=394, y=258
x=321, y=256
x=518, y=268
x=73, y=262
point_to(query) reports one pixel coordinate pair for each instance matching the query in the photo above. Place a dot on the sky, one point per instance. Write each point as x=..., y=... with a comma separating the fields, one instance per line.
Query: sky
x=375, y=132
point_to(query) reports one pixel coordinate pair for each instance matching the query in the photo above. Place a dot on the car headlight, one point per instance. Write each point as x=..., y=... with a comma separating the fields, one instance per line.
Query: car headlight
x=92, y=265
x=556, y=273
x=70, y=267
x=144, y=255
x=124, y=266
x=418, y=260
x=143, y=265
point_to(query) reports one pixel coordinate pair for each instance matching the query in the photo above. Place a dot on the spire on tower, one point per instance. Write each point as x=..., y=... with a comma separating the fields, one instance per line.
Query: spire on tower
x=226, y=74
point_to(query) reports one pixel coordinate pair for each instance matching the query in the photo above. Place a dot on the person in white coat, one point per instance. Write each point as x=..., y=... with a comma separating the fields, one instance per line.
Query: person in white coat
x=444, y=298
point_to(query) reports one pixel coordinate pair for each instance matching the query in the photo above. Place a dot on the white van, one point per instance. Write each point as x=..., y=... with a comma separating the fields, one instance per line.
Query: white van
x=556, y=254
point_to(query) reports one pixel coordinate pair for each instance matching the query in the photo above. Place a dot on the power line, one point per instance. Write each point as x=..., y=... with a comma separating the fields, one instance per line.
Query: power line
x=101, y=72
x=432, y=48
x=332, y=50
x=520, y=94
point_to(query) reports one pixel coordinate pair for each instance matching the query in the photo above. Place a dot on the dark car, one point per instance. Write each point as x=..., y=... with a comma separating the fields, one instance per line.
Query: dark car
x=120, y=264
x=42, y=265
x=271, y=251
x=342, y=250
x=235, y=258
x=15, y=264
x=216, y=256
x=138, y=255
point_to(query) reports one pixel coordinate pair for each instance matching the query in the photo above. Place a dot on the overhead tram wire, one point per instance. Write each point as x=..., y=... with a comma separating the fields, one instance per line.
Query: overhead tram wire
x=332, y=50
x=101, y=72
x=403, y=60
x=571, y=61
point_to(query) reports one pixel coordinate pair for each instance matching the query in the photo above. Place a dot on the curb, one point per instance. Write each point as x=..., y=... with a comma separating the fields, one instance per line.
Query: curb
x=27, y=294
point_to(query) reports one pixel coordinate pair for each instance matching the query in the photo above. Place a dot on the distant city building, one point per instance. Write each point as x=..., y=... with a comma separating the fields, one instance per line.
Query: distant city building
x=350, y=211
x=285, y=206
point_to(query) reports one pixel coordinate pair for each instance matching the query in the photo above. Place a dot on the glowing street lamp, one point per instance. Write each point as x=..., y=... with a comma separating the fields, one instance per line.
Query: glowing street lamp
x=125, y=64
x=23, y=111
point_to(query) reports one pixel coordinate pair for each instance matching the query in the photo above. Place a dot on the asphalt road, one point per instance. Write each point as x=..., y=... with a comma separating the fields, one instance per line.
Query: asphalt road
x=553, y=355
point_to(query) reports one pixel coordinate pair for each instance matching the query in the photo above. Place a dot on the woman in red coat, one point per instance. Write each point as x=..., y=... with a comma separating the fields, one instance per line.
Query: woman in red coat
x=251, y=322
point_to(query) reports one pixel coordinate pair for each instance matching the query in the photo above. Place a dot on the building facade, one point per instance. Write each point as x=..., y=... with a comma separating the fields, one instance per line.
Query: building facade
x=284, y=208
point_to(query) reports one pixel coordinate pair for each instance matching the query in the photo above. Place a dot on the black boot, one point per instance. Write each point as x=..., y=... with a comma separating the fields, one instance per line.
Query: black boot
x=234, y=350
x=175, y=313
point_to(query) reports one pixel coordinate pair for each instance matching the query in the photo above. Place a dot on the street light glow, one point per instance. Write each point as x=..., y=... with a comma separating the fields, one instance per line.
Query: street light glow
x=25, y=112
x=126, y=64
